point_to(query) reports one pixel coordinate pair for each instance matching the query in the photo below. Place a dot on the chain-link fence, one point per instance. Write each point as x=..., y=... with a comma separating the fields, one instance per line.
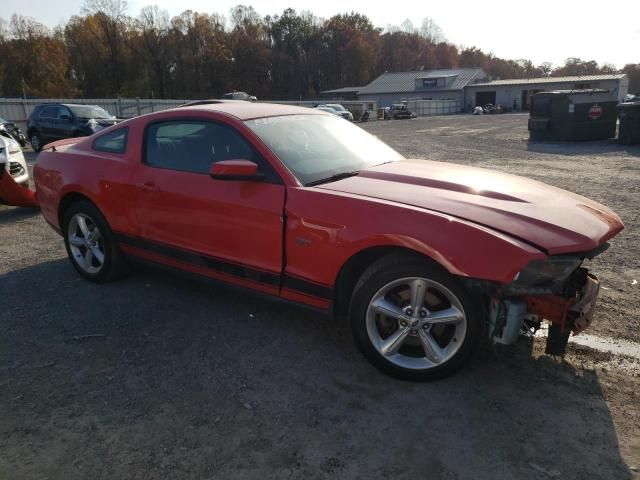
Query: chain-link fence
x=424, y=108
x=17, y=110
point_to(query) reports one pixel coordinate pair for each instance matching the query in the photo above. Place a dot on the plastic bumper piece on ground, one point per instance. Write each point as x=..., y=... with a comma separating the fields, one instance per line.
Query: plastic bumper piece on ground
x=14, y=194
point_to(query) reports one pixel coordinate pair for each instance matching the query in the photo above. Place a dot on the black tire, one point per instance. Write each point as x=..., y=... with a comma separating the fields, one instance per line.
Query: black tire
x=399, y=266
x=114, y=265
x=36, y=141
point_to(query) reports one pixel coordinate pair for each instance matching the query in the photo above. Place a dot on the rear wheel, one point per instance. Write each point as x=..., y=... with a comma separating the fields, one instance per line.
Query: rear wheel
x=90, y=244
x=412, y=320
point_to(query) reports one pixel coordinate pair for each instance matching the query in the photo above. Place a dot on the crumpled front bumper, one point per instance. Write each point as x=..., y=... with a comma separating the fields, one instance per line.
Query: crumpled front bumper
x=572, y=311
x=570, y=314
x=581, y=313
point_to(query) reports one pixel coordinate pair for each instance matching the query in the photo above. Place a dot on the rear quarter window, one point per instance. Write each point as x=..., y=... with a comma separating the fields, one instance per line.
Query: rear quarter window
x=49, y=112
x=112, y=142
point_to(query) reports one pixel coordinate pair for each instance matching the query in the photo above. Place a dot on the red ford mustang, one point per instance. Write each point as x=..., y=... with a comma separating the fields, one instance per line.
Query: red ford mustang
x=424, y=258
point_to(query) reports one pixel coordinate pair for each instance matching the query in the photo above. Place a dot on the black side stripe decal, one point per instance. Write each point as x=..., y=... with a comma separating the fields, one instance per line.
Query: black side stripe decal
x=272, y=279
x=306, y=287
x=201, y=260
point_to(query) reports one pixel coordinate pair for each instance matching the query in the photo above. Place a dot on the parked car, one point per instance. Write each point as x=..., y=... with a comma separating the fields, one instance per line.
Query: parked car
x=400, y=111
x=327, y=109
x=490, y=108
x=424, y=258
x=343, y=112
x=49, y=122
x=239, y=96
x=12, y=160
x=13, y=130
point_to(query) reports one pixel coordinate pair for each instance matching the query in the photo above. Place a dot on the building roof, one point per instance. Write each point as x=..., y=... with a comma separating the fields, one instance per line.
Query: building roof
x=528, y=81
x=584, y=91
x=342, y=90
x=401, y=82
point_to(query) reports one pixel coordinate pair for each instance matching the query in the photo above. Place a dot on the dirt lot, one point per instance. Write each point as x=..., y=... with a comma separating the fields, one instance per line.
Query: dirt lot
x=167, y=377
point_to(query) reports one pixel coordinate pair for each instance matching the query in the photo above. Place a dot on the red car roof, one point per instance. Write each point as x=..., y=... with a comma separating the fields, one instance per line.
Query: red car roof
x=249, y=110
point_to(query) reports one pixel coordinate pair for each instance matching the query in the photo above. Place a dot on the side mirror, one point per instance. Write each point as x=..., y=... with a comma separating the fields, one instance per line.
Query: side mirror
x=235, y=170
x=65, y=117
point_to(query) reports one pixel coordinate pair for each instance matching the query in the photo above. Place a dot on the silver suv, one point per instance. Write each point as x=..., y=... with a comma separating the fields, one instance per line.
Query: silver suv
x=239, y=96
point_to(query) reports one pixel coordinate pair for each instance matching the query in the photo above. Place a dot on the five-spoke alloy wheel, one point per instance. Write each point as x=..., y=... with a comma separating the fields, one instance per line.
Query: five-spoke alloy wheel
x=85, y=243
x=416, y=323
x=412, y=319
x=90, y=244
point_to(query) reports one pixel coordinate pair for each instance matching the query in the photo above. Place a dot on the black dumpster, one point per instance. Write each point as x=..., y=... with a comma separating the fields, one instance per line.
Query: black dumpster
x=573, y=115
x=629, y=131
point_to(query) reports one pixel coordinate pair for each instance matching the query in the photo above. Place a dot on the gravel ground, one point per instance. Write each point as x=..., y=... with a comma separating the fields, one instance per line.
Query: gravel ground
x=163, y=376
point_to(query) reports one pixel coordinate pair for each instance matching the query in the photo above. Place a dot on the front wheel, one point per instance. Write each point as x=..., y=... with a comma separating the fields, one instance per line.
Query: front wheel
x=413, y=320
x=36, y=141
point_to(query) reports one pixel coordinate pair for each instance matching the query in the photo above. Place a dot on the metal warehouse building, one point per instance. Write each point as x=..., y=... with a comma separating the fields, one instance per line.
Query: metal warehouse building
x=390, y=88
x=515, y=94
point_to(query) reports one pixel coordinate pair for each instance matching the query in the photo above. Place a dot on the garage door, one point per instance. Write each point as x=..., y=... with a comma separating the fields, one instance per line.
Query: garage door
x=482, y=98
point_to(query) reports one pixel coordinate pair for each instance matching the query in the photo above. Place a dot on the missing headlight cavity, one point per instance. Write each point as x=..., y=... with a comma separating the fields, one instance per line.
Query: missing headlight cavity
x=547, y=273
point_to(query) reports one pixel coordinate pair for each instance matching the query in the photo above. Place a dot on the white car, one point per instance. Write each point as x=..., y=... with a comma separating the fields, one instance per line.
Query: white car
x=12, y=158
x=343, y=112
x=328, y=110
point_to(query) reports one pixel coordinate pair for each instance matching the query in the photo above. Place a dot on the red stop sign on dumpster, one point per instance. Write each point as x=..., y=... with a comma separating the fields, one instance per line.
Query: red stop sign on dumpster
x=595, y=112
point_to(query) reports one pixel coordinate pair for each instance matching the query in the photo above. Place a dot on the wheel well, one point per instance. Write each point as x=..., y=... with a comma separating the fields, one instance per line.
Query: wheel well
x=353, y=269
x=68, y=200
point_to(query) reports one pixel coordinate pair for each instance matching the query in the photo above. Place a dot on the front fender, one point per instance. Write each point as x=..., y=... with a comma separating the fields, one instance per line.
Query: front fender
x=325, y=229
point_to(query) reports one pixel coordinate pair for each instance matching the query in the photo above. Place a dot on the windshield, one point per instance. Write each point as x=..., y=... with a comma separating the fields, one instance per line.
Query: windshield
x=89, y=111
x=2, y=120
x=337, y=107
x=318, y=147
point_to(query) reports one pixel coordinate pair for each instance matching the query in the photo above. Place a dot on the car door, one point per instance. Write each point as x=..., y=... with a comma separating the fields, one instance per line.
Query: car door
x=229, y=229
x=47, y=122
x=64, y=123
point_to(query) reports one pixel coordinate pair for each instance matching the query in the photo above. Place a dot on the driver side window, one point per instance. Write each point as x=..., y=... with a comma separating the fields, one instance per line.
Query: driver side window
x=64, y=112
x=193, y=145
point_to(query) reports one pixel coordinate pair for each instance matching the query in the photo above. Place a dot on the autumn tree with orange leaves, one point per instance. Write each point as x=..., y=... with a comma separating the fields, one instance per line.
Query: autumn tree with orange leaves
x=103, y=52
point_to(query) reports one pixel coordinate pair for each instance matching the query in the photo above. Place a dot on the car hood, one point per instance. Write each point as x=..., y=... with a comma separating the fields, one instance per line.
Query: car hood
x=552, y=219
x=104, y=122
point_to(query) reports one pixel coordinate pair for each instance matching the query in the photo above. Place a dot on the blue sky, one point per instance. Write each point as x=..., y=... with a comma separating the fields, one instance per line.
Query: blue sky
x=541, y=30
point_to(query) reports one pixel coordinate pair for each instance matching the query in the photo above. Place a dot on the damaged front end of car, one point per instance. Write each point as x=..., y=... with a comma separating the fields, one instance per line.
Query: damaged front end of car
x=559, y=289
